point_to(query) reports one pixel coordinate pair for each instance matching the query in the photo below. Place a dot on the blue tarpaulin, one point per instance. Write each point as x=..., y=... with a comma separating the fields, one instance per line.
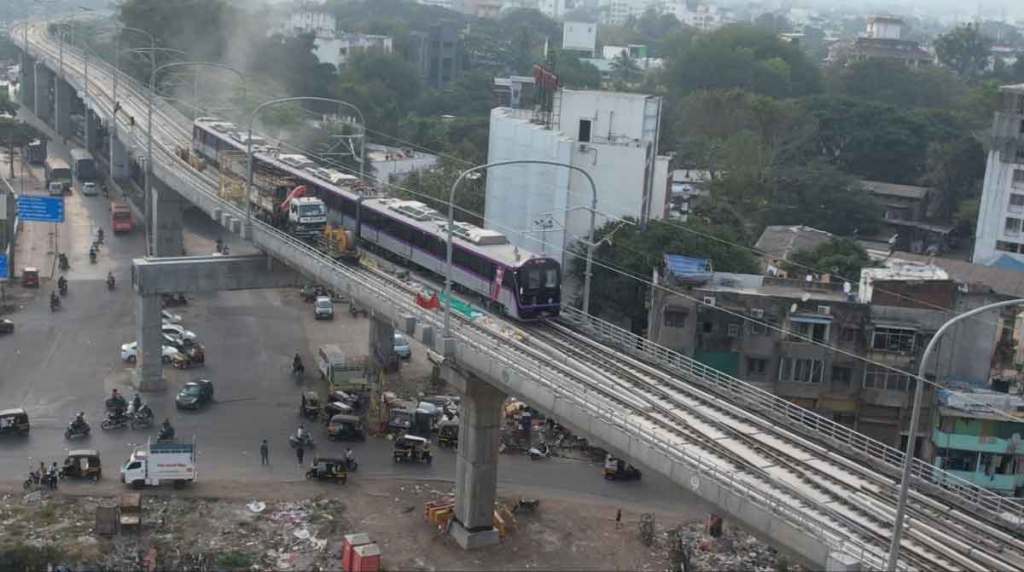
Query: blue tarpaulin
x=687, y=267
x=1008, y=263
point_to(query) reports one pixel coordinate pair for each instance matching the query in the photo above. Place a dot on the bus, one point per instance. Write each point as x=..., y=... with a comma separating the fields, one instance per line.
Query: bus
x=121, y=217
x=83, y=167
x=57, y=173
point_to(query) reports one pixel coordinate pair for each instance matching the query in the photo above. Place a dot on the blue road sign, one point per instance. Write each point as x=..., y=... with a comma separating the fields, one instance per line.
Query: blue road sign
x=33, y=208
x=4, y=270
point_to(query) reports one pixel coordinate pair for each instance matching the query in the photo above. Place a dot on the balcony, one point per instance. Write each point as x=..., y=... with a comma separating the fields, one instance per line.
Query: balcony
x=971, y=442
x=1002, y=484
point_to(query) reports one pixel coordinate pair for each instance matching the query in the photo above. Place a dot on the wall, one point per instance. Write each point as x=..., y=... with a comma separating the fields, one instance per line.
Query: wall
x=1007, y=144
x=580, y=36
x=613, y=115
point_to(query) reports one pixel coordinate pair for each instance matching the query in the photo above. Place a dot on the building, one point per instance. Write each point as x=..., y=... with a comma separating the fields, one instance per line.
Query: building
x=779, y=333
x=311, y=18
x=579, y=37
x=703, y=17
x=515, y=91
x=778, y=243
x=883, y=40
x=483, y=8
x=438, y=53
x=349, y=44
x=906, y=213
x=686, y=187
x=330, y=45
x=999, y=236
x=976, y=436
x=393, y=164
x=612, y=136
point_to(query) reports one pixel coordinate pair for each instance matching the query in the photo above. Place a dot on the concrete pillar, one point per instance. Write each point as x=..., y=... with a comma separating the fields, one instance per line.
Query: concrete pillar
x=43, y=79
x=148, y=367
x=382, y=343
x=91, y=126
x=28, y=81
x=62, y=108
x=476, y=465
x=119, y=158
x=168, y=207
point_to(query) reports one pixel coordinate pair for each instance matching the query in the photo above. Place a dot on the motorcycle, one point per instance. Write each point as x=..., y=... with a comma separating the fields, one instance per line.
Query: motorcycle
x=34, y=480
x=539, y=452
x=166, y=433
x=141, y=419
x=54, y=302
x=79, y=430
x=99, y=236
x=171, y=300
x=114, y=403
x=92, y=255
x=306, y=442
x=114, y=422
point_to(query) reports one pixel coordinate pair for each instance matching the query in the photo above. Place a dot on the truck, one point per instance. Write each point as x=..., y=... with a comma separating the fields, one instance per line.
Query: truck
x=159, y=462
x=295, y=211
x=121, y=217
x=58, y=171
x=341, y=372
x=83, y=166
x=36, y=152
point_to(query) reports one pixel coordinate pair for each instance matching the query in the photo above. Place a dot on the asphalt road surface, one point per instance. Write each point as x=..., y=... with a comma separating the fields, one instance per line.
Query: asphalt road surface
x=59, y=363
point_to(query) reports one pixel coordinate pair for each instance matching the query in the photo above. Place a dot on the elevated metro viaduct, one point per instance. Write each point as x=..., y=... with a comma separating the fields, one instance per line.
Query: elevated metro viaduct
x=479, y=369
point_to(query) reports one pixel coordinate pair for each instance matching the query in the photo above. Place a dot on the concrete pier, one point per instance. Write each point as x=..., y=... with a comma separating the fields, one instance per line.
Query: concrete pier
x=168, y=207
x=42, y=81
x=28, y=82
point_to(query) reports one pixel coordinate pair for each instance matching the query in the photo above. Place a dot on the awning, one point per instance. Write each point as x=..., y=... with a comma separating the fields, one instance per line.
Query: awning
x=811, y=319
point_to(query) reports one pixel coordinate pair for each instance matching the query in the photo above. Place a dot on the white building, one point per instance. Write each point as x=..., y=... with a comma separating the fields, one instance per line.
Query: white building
x=330, y=45
x=579, y=36
x=311, y=18
x=885, y=28
x=612, y=136
x=999, y=237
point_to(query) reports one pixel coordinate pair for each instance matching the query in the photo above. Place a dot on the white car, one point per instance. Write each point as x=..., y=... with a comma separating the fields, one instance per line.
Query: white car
x=169, y=318
x=89, y=189
x=179, y=331
x=130, y=352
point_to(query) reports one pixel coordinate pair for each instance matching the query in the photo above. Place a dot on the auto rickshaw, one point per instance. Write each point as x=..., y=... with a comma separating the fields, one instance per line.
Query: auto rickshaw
x=30, y=277
x=448, y=433
x=346, y=427
x=6, y=326
x=310, y=405
x=191, y=356
x=82, y=464
x=14, y=421
x=411, y=448
x=619, y=470
x=328, y=468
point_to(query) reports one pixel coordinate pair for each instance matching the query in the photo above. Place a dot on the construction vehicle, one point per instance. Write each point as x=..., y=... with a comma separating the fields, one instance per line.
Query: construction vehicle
x=301, y=215
x=339, y=244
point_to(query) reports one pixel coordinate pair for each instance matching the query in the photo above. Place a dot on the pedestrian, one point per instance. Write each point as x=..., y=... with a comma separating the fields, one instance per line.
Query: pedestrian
x=264, y=453
x=299, y=452
x=618, y=518
x=54, y=472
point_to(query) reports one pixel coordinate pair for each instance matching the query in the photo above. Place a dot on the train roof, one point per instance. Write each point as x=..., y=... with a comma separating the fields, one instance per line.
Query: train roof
x=486, y=242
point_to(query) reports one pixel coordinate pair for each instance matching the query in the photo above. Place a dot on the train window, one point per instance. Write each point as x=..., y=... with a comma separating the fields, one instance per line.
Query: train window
x=551, y=278
x=533, y=279
x=507, y=280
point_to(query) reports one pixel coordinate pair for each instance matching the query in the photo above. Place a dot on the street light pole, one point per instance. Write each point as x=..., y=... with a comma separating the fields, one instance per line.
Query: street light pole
x=908, y=456
x=150, y=218
x=451, y=224
x=248, y=143
x=117, y=74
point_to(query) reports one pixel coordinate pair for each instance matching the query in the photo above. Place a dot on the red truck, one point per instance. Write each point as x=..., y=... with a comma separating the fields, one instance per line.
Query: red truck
x=121, y=217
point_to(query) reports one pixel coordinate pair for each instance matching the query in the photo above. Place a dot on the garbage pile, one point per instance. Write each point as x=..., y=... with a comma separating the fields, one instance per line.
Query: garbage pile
x=698, y=547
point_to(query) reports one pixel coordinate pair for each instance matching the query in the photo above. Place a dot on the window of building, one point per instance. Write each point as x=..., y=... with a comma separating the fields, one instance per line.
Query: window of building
x=893, y=340
x=707, y=327
x=1007, y=246
x=675, y=318
x=1019, y=155
x=757, y=367
x=734, y=330
x=1012, y=226
x=800, y=370
x=816, y=330
x=756, y=328
x=842, y=376
x=1017, y=201
x=1018, y=179
x=849, y=335
x=584, y=135
x=882, y=378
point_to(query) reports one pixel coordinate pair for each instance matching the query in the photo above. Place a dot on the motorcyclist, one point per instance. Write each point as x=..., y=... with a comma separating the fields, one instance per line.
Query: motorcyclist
x=79, y=421
x=54, y=300
x=300, y=434
x=62, y=283
x=220, y=245
x=92, y=253
x=99, y=235
x=350, y=459
x=297, y=366
x=136, y=403
x=63, y=259
x=166, y=430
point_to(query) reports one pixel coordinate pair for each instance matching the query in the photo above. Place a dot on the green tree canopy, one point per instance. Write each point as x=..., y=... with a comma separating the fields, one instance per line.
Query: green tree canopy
x=628, y=253
x=572, y=72
x=434, y=187
x=840, y=257
x=965, y=50
x=896, y=84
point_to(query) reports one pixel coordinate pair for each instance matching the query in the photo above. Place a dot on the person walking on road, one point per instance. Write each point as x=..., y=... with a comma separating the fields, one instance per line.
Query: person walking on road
x=264, y=453
x=299, y=452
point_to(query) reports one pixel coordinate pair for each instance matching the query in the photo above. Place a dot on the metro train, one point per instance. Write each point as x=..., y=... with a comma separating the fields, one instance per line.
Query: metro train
x=520, y=284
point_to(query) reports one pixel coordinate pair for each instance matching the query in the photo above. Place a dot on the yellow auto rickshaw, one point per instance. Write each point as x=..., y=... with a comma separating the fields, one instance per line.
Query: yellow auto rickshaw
x=411, y=448
x=82, y=464
x=448, y=433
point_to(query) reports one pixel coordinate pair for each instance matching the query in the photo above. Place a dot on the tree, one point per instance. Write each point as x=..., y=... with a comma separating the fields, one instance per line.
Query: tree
x=955, y=168
x=201, y=28
x=840, y=257
x=965, y=50
x=15, y=134
x=625, y=68
x=433, y=187
x=820, y=195
x=627, y=254
x=894, y=83
x=572, y=72
x=292, y=61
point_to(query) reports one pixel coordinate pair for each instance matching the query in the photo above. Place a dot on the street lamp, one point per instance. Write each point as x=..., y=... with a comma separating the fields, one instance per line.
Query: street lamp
x=117, y=74
x=248, y=143
x=150, y=218
x=908, y=456
x=451, y=224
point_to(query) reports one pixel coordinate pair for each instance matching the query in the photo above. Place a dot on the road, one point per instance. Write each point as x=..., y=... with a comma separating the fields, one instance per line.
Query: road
x=59, y=363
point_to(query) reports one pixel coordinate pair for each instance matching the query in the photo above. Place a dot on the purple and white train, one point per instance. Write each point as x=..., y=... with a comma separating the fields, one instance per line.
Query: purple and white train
x=521, y=284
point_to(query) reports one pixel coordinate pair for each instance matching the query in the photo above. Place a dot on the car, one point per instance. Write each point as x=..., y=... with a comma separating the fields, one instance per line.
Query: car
x=89, y=189
x=194, y=394
x=402, y=348
x=169, y=318
x=130, y=352
x=179, y=331
x=323, y=308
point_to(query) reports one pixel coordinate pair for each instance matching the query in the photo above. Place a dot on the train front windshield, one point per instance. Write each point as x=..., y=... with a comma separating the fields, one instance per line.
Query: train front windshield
x=539, y=288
